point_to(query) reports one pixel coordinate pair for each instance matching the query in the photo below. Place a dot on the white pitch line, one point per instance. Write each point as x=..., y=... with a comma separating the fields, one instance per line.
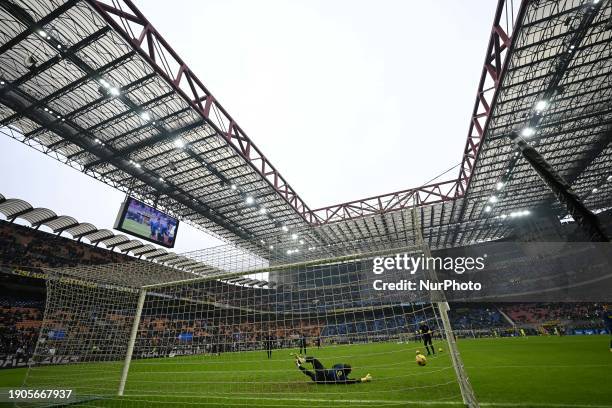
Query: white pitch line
x=348, y=401
x=540, y=404
x=392, y=402
x=543, y=366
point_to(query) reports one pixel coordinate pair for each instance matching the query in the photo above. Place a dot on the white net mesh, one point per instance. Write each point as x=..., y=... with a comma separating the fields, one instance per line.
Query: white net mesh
x=222, y=333
x=84, y=337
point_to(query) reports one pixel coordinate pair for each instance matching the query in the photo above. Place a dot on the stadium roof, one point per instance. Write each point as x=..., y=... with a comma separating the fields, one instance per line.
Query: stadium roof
x=555, y=91
x=94, y=85
x=553, y=75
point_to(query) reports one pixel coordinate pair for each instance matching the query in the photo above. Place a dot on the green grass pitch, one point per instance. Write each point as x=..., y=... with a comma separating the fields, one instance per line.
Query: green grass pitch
x=513, y=372
x=142, y=230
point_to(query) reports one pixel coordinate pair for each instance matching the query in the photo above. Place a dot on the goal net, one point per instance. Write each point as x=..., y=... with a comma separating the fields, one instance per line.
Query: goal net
x=220, y=327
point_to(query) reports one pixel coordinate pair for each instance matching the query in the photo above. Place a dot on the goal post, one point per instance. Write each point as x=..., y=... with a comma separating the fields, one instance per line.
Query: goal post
x=218, y=326
x=83, y=338
x=90, y=319
x=467, y=392
x=132, y=340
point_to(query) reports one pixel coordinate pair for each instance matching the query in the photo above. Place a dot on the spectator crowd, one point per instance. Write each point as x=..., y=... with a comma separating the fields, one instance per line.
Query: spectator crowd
x=227, y=317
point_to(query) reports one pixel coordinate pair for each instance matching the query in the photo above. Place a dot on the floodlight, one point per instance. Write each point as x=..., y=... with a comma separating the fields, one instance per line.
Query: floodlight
x=541, y=105
x=528, y=132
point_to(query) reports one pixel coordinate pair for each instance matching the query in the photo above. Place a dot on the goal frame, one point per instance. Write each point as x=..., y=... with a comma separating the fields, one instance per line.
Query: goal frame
x=182, y=278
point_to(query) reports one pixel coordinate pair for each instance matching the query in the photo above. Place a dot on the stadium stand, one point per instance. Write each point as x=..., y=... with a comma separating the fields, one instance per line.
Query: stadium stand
x=24, y=246
x=477, y=317
x=563, y=314
x=24, y=251
x=22, y=306
x=13, y=209
x=19, y=327
x=100, y=245
x=21, y=316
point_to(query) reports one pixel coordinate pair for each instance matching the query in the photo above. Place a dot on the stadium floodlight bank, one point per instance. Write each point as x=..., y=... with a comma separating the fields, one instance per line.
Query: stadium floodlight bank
x=138, y=333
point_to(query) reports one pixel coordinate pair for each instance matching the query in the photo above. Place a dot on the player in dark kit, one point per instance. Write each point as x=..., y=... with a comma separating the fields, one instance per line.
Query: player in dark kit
x=302, y=344
x=607, y=317
x=268, y=343
x=426, y=333
x=338, y=374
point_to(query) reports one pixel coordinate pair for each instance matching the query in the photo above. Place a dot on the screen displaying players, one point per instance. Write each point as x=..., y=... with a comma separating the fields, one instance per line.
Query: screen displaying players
x=139, y=219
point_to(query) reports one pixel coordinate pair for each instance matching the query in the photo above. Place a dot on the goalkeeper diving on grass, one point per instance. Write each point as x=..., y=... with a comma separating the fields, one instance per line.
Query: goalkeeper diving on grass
x=338, y=374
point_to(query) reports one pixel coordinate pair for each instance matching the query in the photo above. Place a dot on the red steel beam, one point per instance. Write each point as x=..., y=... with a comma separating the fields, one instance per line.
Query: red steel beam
x=399, y=200
x=124, y=17
x=495, y=64
x=131, y=24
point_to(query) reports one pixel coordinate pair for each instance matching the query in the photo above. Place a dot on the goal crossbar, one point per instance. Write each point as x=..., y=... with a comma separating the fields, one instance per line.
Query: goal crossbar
x=289, y=266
